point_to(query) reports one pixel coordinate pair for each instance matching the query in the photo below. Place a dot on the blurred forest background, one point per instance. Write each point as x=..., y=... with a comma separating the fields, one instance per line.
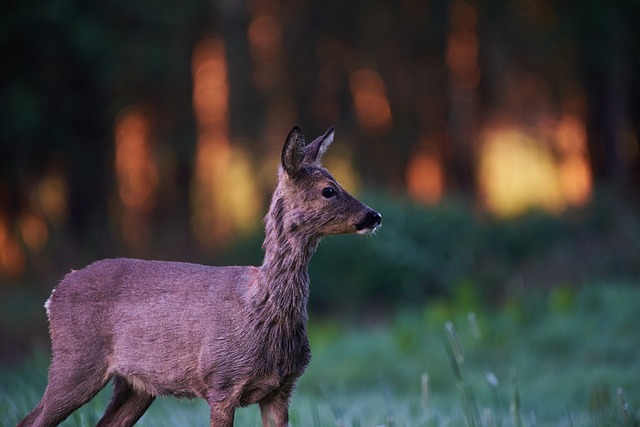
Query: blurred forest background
x=498, y=138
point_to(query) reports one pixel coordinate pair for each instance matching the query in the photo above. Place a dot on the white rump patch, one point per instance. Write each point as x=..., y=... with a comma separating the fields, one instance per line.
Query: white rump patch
x=47, y=303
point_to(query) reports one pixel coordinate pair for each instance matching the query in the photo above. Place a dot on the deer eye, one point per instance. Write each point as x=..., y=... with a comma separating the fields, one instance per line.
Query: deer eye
x=328, y=192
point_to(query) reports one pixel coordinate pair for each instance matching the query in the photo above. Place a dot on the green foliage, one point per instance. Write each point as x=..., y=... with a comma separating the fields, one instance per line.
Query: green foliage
x=450, y=252
x=548, y=367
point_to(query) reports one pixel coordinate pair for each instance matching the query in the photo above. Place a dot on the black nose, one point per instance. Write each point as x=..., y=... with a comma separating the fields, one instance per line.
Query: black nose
x=372, y=220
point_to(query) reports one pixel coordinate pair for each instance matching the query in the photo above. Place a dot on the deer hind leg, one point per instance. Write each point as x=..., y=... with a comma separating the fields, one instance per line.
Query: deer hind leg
x=127, y=405
x=275, y=408
x=71, y=385
x=222, y=410
x=222, y=415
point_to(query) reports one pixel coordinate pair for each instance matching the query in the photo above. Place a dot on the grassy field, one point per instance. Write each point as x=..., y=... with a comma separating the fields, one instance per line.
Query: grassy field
x=565, y=358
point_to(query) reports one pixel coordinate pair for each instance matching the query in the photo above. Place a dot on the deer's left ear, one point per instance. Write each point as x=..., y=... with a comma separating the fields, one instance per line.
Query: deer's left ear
x=293, y=152
x=314, y=151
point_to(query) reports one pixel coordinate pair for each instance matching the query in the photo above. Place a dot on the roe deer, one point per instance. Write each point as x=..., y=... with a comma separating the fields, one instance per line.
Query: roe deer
x=233, y=336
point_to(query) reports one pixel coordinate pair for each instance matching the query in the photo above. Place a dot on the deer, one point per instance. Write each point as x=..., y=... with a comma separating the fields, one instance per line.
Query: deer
x=231, y=335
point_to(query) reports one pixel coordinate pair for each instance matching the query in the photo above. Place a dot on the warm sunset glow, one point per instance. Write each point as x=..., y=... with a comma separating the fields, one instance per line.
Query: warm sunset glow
x=462, y=46
x=52, y=195
x=266, y=47
x=370, y=100
x=224, y=198
x=34, y=231
x=210, y=85
x=425, y=178
x=210, y=104
x=517, y=172
x=575, y=180
x=269, y=70
x=137, y=176
x=12, y=257
x=574, y=170
x=136, y=169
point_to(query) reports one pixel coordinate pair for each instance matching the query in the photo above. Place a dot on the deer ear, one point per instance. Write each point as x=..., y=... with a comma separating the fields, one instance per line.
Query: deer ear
x=315, y=150
x=293, y=152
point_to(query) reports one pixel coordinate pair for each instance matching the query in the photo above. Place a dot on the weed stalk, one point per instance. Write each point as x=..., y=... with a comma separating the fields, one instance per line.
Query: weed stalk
x=426, y=391
x=515, y=404
x=456, y=357
x=623, y=406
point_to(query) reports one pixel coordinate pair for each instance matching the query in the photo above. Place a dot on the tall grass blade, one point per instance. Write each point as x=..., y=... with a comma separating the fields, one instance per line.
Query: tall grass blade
x=456, y=358
x=494, y=383
x=454, y=352
x=570, y=416
x=487, y=418
x=515, y=404
x=315, y=414
x=454, y=342
x=623, y=406
x=474, y=325
x=471, y=406
x=391, y=418
x=337, y=412
x=426, y=391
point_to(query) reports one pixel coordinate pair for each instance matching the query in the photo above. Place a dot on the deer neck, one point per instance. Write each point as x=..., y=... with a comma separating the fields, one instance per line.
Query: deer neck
x=284, y=276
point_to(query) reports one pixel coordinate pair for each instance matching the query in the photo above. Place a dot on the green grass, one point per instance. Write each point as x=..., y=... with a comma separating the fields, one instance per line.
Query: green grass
x=567, y=358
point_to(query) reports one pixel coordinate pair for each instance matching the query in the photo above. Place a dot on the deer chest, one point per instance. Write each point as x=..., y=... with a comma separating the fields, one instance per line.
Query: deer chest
x=276, y=371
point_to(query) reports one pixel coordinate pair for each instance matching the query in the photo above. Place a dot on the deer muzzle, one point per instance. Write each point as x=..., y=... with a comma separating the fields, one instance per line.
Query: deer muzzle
x=369, y=223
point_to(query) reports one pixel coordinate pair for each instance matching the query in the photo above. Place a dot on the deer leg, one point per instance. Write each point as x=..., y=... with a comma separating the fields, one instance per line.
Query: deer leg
x=127, y=405
x=70, y=386
x=222, y=418
x=222, y=413
x=32, y=416
x=275, y=408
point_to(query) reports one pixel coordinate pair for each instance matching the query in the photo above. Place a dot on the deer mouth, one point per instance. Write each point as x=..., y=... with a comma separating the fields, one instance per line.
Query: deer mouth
x=370, y=223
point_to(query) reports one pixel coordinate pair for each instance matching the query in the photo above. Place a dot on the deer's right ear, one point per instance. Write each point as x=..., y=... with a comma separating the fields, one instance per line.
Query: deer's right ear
x=293, y=152
x=315, y=150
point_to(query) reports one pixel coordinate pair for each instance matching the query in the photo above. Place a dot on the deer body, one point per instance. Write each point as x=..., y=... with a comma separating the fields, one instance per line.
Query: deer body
x=233, y=336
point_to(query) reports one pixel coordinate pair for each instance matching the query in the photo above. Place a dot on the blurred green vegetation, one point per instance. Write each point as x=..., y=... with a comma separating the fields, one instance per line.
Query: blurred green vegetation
x=451, y=252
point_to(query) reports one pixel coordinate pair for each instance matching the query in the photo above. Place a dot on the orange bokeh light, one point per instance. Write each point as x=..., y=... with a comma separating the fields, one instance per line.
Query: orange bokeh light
x=223, y=195
x=370, y=100
x=136, y=169
x=548, y=169
x=573, y=163
x=210, y=85
x=51, y=196
x=34, y=231
x=12, y=257
x=462, y=46
x=517, y=172
x=137, y=176
x=266, y=47
x=425, y=178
